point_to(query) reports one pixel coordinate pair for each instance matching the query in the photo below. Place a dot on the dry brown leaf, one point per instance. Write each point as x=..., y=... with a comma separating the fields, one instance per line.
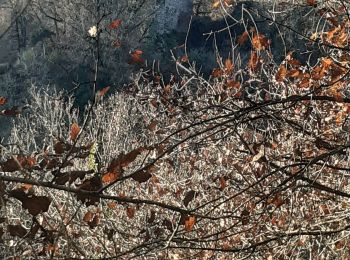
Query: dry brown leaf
x=216, y=4
x=14, y=111
x=243, y=38
x=11, y=165
x=153, y=125
x=141, y=176
x=222, y=182
x=254, y=61
x=260, y=42
x=217, y=73
x=189, y=197
x=293, y=73
x=184, y=58
x=16, y=230
x=112, y=205
x=311, y=3
x=281, y=73
x=231, y=84
x=115, y=24
x=130, y=212
x=88, y=217
x=190, y=222
x=229, y=65
x=103, y=91
x=74, y=132
x=3, y=100
x=110, y=177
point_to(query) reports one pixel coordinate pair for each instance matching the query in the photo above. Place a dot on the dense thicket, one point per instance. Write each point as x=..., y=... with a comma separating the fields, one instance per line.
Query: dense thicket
x=250, y=162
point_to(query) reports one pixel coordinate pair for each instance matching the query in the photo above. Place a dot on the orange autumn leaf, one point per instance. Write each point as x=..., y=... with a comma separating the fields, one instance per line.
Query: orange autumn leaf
x=88, y=216
x=3, y=100
x=26, y=162
x=128, y=158
x=153, y=125
x=110, y=177
x=254, y=61
x=217, y=73
x=216, y=4
x=325, y=209
x=184, y=58
x=74, y=131
x=232, y=84
x=136, y=57
x=115, y=24
x=327, y=62
x=103, y=91
x=294, y=62
x=190, y=222
x=305, y=83
x=339, y=119
x=229, y=65
x=222, y=182
x=294, y=73
x=311, y=2
x=260, y=42
x=277, y=201
x=116, y=43
x=130, y=212
x=154, y=103
x=14, y=111
x=138, y=52
x=112, y=205
x=281, y=73
x=26, y=187
x=243, y=38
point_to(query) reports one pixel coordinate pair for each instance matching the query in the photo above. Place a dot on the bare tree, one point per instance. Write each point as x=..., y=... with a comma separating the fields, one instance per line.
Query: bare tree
x=249, y=163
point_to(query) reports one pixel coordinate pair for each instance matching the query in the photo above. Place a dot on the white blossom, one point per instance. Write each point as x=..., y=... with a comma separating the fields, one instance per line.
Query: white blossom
x=93, y=31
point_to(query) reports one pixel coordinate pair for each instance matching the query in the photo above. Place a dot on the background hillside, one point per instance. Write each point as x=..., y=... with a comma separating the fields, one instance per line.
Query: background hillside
x=174, y=129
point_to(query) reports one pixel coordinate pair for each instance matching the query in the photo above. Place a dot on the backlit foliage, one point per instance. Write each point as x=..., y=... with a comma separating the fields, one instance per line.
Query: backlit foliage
x=250, y=163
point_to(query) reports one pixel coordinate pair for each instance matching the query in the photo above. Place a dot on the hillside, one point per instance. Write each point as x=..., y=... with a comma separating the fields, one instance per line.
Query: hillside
x=174, y=129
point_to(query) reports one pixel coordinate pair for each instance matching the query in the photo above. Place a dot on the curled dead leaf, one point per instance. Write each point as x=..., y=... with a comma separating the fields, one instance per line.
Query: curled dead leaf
x=74, y=132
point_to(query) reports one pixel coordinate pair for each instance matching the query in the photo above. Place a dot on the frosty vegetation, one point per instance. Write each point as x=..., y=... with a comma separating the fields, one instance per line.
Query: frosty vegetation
x=251, y=161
